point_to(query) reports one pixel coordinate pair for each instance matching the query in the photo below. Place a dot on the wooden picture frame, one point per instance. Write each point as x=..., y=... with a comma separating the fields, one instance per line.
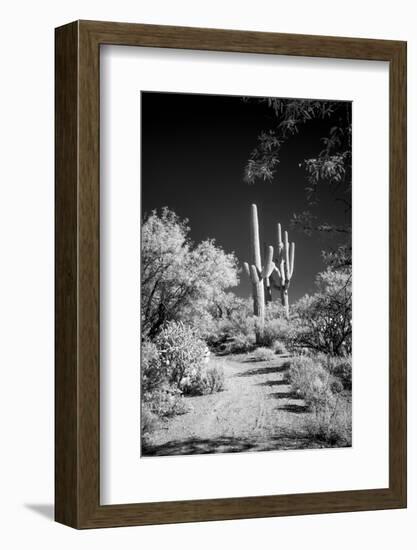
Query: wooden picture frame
x=77, y=382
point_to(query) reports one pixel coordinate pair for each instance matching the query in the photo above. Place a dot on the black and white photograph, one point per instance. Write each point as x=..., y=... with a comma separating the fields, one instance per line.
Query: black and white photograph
x=246, y=274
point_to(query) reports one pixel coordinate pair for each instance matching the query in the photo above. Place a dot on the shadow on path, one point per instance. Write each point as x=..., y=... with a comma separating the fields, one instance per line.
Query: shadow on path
x=293, y=408
x=284, y=395
x=271, y=383
x=265, y=370
x=195, y=445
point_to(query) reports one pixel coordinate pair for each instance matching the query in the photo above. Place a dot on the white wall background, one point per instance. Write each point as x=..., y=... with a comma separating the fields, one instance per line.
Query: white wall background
x=26, y=272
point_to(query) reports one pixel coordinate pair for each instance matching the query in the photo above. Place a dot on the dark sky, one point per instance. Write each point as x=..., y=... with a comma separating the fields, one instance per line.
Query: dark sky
x=194, y=150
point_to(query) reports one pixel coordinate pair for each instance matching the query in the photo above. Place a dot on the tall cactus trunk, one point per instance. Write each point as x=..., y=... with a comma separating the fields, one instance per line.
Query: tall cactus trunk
x=254, y=238
x=284, y=301
x=255, y=274
x=258, y=305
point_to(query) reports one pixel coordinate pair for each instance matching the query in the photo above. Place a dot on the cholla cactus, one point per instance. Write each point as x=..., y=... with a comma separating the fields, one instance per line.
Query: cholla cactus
x=284, y=267
x=258, y=274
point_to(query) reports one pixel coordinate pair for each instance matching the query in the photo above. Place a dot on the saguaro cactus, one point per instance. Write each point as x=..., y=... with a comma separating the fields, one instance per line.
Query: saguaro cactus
x=261, y=274
x=257, y=273
x=284, y=266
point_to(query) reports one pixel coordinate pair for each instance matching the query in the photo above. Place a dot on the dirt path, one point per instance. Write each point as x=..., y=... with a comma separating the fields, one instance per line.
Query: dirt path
x=256, y=412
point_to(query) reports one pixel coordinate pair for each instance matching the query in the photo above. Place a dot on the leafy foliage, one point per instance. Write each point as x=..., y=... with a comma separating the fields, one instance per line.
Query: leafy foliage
x=242, y=343
x=280, y=329
x=342, y=368
x=176, y=275
x=323, y=321
x=331, y=166
x=290, y=115
x=234, y=329
x=219, y=318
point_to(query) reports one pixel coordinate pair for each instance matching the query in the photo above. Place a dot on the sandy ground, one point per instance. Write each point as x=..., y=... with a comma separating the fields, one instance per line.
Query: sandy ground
x=255, y=412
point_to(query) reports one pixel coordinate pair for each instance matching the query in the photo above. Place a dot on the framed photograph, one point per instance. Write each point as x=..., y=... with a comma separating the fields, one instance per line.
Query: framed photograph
x=230, y=274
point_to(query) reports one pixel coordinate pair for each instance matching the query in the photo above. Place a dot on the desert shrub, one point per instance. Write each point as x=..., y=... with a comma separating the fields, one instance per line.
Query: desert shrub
x=219, y=334
x=305, y=352
x=195, y=382
x=332, y=424
x=208, y=380
x=164, y=401
x=342, y=368
x=153, y=370
x=313, y=383
x=306, y=376
x=182, y=352
x=242, y=343
x=324, y=359
x=235, y=327
x=323, y=321
x=241, y=319
x=159, y=397
x=263, y=354
x=149, y=420
x=277, y=329
x=336, y=387
x=219, y=319
x=203, y=323
x=215, y=379
x=278, y=347
x=269, y=334
x=322, y=393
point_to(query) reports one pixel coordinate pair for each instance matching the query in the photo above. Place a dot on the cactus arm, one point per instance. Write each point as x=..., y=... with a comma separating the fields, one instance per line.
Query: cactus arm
x=287, y=256
x=280, y=244
x=292, y=255
x=246, y=268
x=269, y=264
x=277, y=270
x=255, y=245
x=254, y=274
x=276, y=285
